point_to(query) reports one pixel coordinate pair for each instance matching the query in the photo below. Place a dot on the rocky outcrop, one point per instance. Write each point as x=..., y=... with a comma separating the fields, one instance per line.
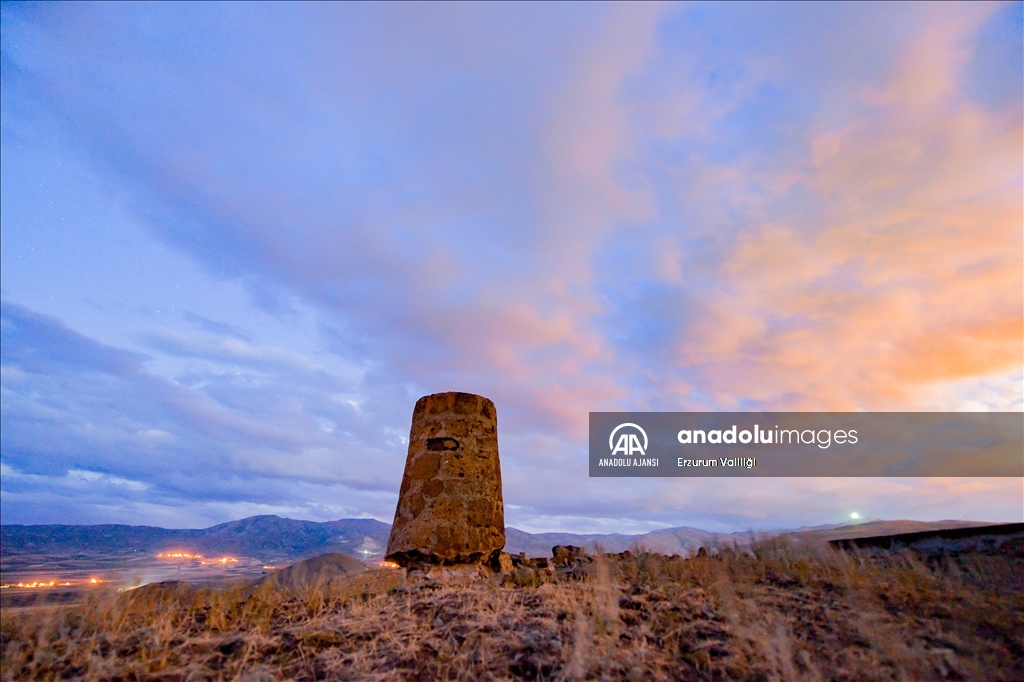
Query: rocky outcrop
x=450, y=508
x=563, y=555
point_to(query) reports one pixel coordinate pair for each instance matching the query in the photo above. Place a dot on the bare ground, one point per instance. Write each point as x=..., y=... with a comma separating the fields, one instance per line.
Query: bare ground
x=781, y=614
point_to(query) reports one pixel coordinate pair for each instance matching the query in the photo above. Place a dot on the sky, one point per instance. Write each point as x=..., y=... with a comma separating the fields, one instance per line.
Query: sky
x=239, y=241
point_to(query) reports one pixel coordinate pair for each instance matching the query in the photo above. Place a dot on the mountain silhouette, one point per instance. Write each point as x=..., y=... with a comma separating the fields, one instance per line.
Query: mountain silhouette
x=274, y=539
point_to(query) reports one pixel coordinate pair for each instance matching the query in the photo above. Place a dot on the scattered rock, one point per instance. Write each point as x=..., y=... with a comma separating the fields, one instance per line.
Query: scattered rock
x=501, y=562
x=450, y=508
x=563, y=555
x=524, y=576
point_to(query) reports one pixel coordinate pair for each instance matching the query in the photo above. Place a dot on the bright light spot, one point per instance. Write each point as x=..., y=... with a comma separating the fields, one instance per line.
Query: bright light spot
x=43, y=584
x=854, y=515
x=178, y=555
x=388, y=564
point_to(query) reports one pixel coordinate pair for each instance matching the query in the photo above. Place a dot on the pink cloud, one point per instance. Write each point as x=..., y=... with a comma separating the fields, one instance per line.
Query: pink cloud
x=912, y=273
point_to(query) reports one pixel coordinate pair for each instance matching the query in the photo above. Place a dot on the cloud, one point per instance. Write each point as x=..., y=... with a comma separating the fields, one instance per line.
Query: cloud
x=76, y=410
x=565, y=208
x=883, y=260
x=40, y=343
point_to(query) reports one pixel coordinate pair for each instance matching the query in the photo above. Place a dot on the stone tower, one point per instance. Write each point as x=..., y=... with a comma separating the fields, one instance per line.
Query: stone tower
x=450, y=509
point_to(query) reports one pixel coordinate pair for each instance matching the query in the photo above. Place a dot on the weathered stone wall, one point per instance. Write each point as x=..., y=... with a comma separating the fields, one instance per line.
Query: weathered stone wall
x=450, y=508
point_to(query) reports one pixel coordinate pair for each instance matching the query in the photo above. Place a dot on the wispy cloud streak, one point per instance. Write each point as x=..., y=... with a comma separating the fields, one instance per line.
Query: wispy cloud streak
x=239, y=241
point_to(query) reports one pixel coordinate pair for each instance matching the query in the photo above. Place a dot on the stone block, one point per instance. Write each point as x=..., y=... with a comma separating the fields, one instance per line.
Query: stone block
x=450, y=508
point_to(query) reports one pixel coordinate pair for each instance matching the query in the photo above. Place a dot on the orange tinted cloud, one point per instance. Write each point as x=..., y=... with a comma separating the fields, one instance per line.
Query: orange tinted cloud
x=910, y=274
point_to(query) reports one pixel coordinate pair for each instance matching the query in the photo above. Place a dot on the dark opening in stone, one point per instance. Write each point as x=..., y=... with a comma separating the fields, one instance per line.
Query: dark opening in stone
x=442, y=444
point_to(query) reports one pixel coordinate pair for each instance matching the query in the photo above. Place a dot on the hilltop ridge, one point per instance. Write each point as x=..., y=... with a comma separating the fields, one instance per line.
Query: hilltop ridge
x=274, y=538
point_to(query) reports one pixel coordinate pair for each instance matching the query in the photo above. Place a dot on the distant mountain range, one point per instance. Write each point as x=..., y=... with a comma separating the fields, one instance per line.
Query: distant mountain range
x=275, y=539
x=269, y=538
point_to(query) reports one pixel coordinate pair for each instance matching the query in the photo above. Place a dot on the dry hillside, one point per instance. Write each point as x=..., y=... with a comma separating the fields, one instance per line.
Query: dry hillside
x=780, y=614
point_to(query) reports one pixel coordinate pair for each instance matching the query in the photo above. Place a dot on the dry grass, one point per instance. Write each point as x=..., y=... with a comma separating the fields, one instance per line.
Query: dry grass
x=779, y=615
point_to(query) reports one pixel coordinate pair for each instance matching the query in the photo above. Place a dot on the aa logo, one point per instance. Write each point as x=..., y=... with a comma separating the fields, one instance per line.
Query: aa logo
x=628, y=444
